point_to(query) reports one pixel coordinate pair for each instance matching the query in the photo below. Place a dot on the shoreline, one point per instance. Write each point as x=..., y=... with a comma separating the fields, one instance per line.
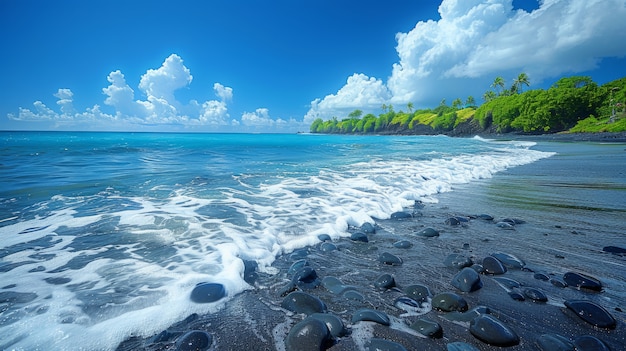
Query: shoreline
x=255, y=319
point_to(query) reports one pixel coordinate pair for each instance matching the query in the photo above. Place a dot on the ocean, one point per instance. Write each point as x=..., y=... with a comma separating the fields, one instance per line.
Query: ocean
x=104, y=235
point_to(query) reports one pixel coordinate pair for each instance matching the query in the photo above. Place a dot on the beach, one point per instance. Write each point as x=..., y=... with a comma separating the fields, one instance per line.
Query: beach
x=562, y=213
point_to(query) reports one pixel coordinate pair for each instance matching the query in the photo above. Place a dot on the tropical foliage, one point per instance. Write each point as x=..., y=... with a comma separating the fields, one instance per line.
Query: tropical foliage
x=574, y=103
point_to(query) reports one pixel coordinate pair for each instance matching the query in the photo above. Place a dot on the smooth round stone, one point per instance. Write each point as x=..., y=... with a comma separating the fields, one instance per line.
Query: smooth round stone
x=376, y=344
x=614, y=249
x=485, y=217
x=535, y=294
x=554, y=342
x=406, y=304
x=324, y=237
x=299, y=254
x=582, y=281
x=492, y=331
x=418, y=292
x=590, y=343
x=389, y=259
x=308, y=335
x=368, y=228
x=301, y=302
x=403, y=244
x=467, y=280
x=509, y=260
x=460, y=346
x=514, y=221
x=428, y=233
x=592, y=313
x=448, y=301
x=296, y=266
x=328, y=247
x=478, y=268
x=516, y=295
x=207, y=292
x=453, y=221
x=457, y=261
x=249, y=271
x=401, y=215
x=541, y=276
x=333, y=323
x=195, y=340
x=493, y=266
x=428, y=328
x=333, y=284
x=306, y=278
x=558, y=282
x=368, y=314
x=353, y=295
x=360, y=237
x=385, y=281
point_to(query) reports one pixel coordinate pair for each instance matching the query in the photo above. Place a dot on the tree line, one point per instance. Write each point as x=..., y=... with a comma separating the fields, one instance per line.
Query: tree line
x=572, y=102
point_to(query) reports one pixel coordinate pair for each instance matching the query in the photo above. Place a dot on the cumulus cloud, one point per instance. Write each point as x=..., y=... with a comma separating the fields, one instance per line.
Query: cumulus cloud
x=360, y=92
x=159, y=106
x=476, y=40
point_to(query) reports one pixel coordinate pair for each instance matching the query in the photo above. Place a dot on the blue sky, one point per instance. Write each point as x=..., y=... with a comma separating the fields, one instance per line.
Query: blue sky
x=259, y=66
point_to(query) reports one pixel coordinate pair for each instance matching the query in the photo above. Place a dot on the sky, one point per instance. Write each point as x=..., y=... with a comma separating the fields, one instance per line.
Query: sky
x=275, y=66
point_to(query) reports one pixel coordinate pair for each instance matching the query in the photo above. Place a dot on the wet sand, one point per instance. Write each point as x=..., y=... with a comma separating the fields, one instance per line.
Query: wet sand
x=573, y=205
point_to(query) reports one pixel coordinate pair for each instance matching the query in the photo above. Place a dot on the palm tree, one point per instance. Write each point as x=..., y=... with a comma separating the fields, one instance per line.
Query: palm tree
x=489, y=95
x=409, y=106
x=470, y=101
x=384, y=107
x=456, y=103
x=522, y=79
x=498, y=83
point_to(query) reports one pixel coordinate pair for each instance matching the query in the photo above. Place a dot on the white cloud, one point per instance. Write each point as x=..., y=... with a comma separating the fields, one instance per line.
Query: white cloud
x=260, y=119
x=476, y=40
x=360, y=92
x=159, y=107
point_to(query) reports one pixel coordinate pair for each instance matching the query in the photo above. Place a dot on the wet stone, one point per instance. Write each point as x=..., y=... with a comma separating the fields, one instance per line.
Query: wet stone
x=467, y=316
x=333, y=284
x=485, y=217
x=301, y=302
x=367, y=314
x=590, y=343
x=507, y=282
x=385, y=281
x=296, y=266
x=509, y=260
x=418, y=292
x=427, y=328
x=428, y=233
x=195, y=340
x=333, y=323
x=453, y=221
x=558, y=282
x=614, y=249
x=207, y=292
x=306, y=278
x=467, y=280
x=403, y=244
x=324, y=237
x=582, y=281
x=401, y=215
x=359, y=237
x=460, y=346
x=478, y=268
x=389, y=259
x=376, y=344
x=57, y=281
x=517, y=295
x=299, y=254
x=541, y=276
x=535, y=294
x=554, y=342
x=457, y=261
x=328, y=247
x=493, y=266
x=592, y=313
x=407, y=304
x=505, y=226
x=492, y=331
x=353, y=295
x=368, y=228
x=308, y=335
x=249, y=271
x=448, y=301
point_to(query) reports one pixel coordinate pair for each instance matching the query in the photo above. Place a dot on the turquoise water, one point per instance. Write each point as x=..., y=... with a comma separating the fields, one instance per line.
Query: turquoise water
x=103, y=235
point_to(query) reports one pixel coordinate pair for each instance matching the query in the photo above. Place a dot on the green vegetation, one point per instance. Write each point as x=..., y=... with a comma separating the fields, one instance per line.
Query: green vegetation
x=575, y=104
